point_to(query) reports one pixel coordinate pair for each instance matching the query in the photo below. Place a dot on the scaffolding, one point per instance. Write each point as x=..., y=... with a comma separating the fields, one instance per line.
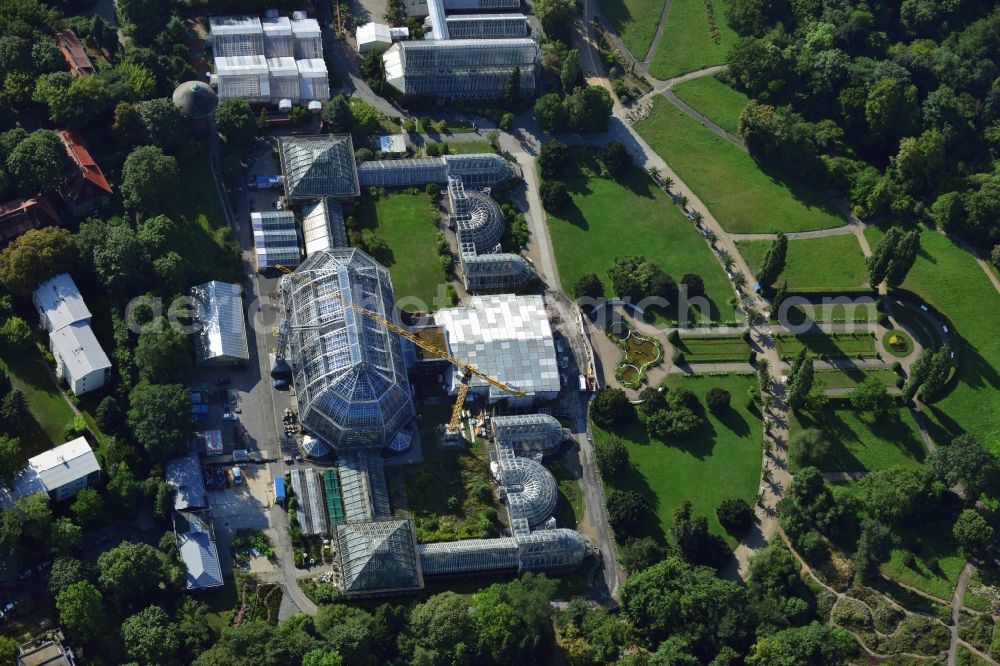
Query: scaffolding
x=236, y=36
x=528, y=434
x=461, y=69
x=278, y=39
x=318, y=166
x=308, y=39
x=283, y=78
x=348, y=370
x=488, y=26
x=378, y=557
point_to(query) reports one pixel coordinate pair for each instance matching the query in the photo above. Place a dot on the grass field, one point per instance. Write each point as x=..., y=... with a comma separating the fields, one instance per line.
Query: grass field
x=569, y=510
x=446, y=475
x=743, y=196
x=830, y=264
x=52, y=413
x=591, y=232
x=714, y=349
x=635, y=22
x=831, y=345
x=863, y=442
x=687, y=43
x=464, y=147
x=408, y=225
x=949, y=279
x=721, y=461
x=857, y=311
x=836, y=379
x=713, y=99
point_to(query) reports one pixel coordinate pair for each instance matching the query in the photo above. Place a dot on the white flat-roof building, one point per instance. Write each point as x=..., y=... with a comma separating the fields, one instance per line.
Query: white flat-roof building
x=314, y=81
x=80, y=359
x=507, y=337
x=394, y=144
x=308, y=39
x=222, y=338
x=373, y=37
x=60, y=473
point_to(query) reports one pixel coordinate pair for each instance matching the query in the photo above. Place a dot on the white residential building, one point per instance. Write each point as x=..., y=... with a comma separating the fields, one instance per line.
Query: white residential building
x=61, y=473
x=80, y=359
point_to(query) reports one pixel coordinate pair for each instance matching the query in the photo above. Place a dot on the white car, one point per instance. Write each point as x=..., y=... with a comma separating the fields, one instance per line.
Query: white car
x=229, y=416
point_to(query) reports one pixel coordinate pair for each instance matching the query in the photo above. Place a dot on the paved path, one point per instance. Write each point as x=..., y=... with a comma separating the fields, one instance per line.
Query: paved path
x=797, y=235
x=709, y=125
x=957, y=601
x=844, y=476
x=660, y=27
x=703, y=368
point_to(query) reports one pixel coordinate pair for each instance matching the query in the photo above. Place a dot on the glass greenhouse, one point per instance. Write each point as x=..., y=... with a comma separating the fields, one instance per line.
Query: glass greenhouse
x=314, y=81
x=308, y=39
x=403, y=173
x=318, y=166
x=283, y=78
x=323, y=225
x=276, y=242
x=243, y=76
x=378, y=557
x=460, y=69
x=479, y=222
x=530, y=489
x=488, y=26
x=278, y=39
x=468, y=556
x=348, y=370
x=529, y=433
x=362, y=482
x=480, y=170
x=461, y=5
x=492, y=273
x=222, y=334
x=236, y=36
x=552, y=550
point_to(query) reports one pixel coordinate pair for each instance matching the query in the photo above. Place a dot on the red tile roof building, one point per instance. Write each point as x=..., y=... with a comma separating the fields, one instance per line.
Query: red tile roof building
x=20, y=215
x=76, y=57
x=85, y=181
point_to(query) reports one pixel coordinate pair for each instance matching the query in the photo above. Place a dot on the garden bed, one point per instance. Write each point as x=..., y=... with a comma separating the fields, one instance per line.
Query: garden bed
x=714, y=349
x=639, y=354
x=827, y=345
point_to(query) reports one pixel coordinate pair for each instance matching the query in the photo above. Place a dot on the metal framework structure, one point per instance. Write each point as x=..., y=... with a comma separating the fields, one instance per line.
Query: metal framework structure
x=461, y=69
x=480, y=170
x=496, y=273
x=278, y=39
x=529, y=433
x=362, y=483
x=477, y=171
x=318, y=166
x=478, y=220
x=283, y=78
x=465, y=5
x=378, y=557
x=348, y=368
x=236, y=36
x=543, y=550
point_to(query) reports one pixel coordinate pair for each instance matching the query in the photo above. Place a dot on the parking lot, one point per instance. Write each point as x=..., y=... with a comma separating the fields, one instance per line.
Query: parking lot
x=241, y=507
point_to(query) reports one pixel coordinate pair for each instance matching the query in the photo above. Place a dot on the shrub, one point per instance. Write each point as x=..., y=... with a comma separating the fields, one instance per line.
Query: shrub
x=553, y=194
x=610, y=407
x=717, y=400
x=674, y=337
x=677, y=357
x=808, y=447
x=897, y=367
x=746, y=336
x=611, y=457
x=735, y=515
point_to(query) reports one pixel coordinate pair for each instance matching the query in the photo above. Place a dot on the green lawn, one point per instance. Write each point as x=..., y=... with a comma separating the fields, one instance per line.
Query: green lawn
x=714, y=349
x=854, y=376
x=830, y=264
x=949, y=279
x=591, y=232
x=635, y=22
x=721, y=461
x=833, y=313
x=831, y=345
x=688, y=43
x=45, y=401
x=408, y=225
x=863, y=442
x=713, y=99
x=742, y=195
x=463, y=147
x=569, y=510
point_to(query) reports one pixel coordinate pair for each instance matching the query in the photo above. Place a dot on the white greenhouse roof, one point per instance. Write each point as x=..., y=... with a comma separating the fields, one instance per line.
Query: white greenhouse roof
x=323, y=225
x=241, y=64
x=234, y=25
x=79, y=349
x=61, y=301
x=507, y=337
x=306, y=27
x=282, y=67
x=53, y=469
x=311, y=67
x=219, y=311
x=277, y=25
x=392, y=143
x=374, y=32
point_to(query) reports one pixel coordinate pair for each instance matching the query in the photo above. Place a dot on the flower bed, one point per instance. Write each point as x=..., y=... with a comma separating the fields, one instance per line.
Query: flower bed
x=639, y=354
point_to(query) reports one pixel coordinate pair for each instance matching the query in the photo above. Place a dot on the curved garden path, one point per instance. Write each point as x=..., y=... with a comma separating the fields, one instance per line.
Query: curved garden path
x=660, y=27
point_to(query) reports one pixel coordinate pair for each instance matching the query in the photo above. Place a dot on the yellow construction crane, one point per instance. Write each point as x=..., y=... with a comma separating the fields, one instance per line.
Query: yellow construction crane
x=468, y=370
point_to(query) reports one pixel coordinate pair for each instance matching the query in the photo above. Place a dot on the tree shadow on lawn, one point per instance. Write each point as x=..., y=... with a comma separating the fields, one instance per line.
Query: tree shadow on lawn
x=810, y=196
x=839, y=434
x=734, y=421
x=571, y=213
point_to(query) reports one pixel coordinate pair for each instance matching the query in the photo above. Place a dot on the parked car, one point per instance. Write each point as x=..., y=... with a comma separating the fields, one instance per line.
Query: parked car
x=229, y=416
x=220, y=477
x=280, y=384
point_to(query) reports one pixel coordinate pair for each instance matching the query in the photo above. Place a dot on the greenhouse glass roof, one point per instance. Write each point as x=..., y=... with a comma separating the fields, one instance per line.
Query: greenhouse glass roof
x=219, y=311
x=378, y=557
x=319, y=166
x=541, y=433
x=348, y=369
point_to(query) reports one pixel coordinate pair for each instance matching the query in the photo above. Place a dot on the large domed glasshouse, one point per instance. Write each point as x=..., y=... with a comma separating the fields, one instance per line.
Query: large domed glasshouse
x=348, y=370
